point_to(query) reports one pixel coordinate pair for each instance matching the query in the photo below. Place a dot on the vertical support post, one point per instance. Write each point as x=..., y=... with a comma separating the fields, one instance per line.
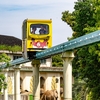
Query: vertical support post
x=36, y=80
x=67, y=74
x=6, y=90
x=17, y=83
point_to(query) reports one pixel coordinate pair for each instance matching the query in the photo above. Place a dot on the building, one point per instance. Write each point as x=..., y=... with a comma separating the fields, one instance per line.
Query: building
x=50, y=77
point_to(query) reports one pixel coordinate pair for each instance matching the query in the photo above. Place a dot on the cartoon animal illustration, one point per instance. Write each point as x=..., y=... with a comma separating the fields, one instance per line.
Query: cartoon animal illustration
x=39, y=44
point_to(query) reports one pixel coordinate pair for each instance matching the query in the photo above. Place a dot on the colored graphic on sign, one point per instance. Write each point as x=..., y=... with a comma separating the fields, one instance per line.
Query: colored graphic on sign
x=39, y=44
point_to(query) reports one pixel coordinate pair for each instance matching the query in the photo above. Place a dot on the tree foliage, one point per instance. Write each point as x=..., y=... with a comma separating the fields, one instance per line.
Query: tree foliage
x=83, y=20
x=3, y=84
x=79, y=90
x=57, y=61
x=14, y=48
x=3, y=59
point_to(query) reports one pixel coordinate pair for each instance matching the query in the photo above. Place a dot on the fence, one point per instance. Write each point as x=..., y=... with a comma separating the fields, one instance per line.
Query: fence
x=23, y=97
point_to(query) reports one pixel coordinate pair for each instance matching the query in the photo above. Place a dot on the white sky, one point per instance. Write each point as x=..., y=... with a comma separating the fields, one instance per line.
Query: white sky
x=13, y=12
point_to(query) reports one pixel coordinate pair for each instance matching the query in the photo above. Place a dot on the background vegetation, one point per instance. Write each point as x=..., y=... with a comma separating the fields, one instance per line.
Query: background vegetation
x=14, y=48
x=3, y=58
x=86, y=65
x=57, y=61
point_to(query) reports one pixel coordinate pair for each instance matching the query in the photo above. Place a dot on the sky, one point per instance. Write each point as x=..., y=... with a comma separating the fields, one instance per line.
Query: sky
x=13, y=13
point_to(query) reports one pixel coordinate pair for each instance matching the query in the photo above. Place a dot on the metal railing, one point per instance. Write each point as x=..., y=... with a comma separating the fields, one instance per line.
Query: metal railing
x=23, y=97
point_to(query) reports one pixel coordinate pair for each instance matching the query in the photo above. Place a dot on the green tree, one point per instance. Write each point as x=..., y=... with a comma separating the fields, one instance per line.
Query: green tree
x=3, y=59
x=57, y=61
x=14, y=48
x=3, y=84
x=83, y=20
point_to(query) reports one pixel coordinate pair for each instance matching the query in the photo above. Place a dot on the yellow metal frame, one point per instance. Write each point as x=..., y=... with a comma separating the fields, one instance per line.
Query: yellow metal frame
x=28, y=38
